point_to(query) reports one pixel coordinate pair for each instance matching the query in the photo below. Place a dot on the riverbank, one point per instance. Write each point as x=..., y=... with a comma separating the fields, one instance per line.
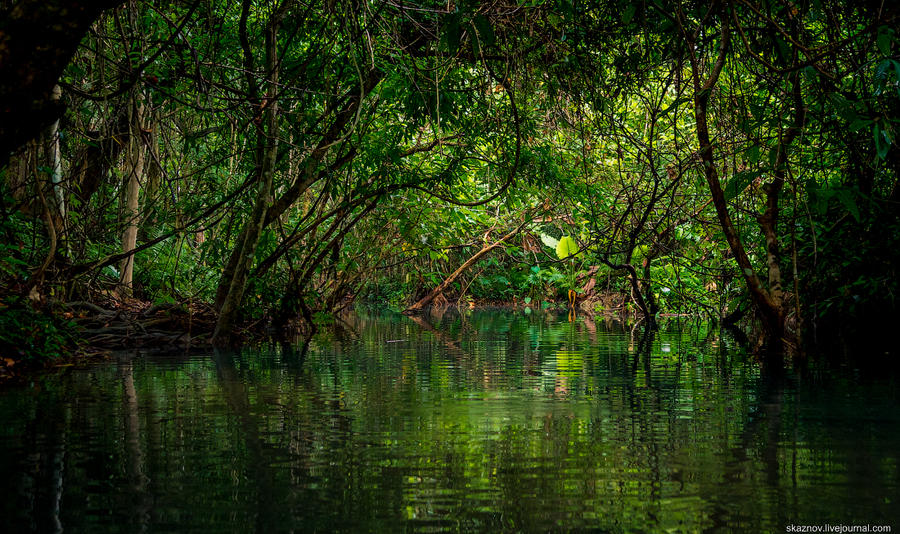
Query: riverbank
x=39, y=331
x=63, y=333
x=60, y=333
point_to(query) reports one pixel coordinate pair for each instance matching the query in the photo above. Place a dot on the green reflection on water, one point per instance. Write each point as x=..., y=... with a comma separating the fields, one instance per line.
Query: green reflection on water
x=491, y=421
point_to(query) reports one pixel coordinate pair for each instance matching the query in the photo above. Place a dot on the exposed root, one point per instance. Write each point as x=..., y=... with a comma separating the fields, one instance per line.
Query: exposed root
x=132, y=323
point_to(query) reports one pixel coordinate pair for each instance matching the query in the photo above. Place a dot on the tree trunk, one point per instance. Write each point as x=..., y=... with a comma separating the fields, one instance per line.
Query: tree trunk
x=768, y=221
x=39, y=38
x=233, y=286
x=134, y=177
x=32, y=288
x=769, y=310
x=310, y=174
x=55, y=160
x=91, y=166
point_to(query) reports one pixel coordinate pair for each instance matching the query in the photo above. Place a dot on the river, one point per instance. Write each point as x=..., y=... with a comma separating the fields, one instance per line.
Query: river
x=490, y=421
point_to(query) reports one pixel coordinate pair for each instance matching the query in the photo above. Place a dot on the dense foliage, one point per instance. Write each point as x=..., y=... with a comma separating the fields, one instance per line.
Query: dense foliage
x=275, y=160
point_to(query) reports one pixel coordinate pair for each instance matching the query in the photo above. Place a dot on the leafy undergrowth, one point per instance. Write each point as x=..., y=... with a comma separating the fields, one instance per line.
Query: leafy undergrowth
x=31, y=338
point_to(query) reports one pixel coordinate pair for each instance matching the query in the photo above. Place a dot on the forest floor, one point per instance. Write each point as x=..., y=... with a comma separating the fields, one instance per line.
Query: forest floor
x=104, y=324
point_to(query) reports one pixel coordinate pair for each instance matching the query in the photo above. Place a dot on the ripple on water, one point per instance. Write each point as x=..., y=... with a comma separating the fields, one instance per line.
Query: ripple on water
x=487, y=422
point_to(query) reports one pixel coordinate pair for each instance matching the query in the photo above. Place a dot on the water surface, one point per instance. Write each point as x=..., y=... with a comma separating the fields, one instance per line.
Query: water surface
x=490, y=421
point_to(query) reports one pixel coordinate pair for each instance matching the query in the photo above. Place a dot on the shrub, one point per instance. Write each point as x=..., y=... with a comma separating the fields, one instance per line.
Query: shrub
x=33, y=336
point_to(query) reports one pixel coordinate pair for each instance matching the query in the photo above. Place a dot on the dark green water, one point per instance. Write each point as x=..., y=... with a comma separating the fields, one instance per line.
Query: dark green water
x=488, y=422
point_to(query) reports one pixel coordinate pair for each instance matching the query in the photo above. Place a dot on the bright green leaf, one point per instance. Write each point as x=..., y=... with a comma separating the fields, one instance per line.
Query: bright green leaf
x=566, y=247
x=549, y=241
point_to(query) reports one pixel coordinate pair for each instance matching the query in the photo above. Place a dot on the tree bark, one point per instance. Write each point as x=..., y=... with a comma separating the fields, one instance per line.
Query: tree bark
x=310, y=174
x=92, y=164
x=37, y=41
x=55, y=160
x=768, y=221
x=135, y=175
x=766, y=306
x=267, y=155
x=33, y=285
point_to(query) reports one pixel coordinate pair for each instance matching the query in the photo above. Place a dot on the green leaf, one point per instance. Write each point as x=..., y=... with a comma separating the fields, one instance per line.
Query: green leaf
x=896, y=65
x=739, y=182
x=859, y=124
x=453, y=32
x=549, y=241
x=752, y=154
x=554, y=20
x=882, y=141
x=881, y=70
x=885, y=36
x=674, y=104
x=843, y=107
x=848, y=199
x=810, y=74
x=773, y=155
x=628, y=14
x=566, y=247
x=640, y=252
x=485, y=31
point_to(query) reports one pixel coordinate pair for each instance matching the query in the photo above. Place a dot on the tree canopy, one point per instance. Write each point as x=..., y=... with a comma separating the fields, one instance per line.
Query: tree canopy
x=271, y=161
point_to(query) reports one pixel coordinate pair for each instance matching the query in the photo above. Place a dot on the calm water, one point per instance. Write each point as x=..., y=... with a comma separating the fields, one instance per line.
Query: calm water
x=492, y=421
